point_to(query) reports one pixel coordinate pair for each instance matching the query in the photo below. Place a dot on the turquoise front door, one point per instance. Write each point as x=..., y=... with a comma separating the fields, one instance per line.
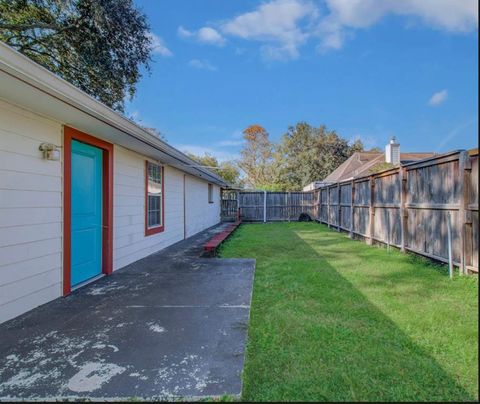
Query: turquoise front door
x=86, y=211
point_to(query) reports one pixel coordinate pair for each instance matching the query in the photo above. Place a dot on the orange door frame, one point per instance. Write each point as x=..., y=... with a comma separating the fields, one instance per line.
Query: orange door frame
x=70, y=134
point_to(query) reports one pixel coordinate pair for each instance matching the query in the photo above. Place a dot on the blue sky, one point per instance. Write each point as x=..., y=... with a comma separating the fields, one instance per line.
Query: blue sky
x=366, y=68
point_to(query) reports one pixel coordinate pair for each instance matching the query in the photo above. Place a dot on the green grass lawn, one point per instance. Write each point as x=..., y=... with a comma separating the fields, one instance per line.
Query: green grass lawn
x=336, y=319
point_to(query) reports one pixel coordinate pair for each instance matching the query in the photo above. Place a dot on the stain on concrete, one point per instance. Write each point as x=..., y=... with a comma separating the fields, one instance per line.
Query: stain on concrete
x=155, y=327
x=172, y=325
x=92, y=376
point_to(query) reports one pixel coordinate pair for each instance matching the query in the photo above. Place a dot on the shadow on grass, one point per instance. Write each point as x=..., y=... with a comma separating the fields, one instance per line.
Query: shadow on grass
x=390, y=267
x=314, y=336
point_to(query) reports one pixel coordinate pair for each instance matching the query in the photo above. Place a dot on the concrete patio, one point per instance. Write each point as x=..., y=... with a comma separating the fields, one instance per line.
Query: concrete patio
x=172, y=325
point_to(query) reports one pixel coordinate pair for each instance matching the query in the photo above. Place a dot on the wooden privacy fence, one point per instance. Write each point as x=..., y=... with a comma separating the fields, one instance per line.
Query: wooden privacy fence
x=261, y=206
x=407, y=207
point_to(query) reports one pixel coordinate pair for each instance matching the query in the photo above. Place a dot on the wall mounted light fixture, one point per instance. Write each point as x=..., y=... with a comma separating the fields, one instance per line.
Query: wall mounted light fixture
x=50, y=151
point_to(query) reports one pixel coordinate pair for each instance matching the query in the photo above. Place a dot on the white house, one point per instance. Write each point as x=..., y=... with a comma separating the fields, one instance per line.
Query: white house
x=83, y=190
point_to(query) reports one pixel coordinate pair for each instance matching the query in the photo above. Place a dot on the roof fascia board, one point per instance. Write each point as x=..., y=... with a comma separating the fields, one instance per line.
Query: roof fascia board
x=21, y=67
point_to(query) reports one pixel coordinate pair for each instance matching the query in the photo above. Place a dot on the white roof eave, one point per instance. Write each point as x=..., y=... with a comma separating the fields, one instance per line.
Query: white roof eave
x=28, y=84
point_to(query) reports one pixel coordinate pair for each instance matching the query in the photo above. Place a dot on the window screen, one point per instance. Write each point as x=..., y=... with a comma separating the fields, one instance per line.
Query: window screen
x=210, y=193
x=154, y=195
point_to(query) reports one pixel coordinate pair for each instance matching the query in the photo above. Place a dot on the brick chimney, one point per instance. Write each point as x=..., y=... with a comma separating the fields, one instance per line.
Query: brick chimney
x=392, y=152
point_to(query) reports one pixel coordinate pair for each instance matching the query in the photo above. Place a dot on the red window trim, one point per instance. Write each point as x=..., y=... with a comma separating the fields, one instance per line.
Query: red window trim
x=70, y=134
x=158, y=229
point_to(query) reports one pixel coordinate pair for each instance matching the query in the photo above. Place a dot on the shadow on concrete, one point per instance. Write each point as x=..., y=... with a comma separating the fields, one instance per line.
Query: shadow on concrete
x=169, y=325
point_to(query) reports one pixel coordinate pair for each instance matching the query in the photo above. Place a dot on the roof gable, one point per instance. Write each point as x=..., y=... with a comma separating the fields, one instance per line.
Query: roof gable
x=361, y=163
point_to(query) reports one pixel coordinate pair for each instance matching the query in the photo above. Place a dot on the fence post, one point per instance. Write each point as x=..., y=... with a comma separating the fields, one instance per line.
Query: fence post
x=319, y=215
x=403, y=213
x=469, y=245
x=320, y=205
x=449, y=242
x=289, y=205
x=464, y=165
x=239, y=214
x=352, y=196
x=264, y=206
x=371, y=211
x=328, y=207
x=339, y=207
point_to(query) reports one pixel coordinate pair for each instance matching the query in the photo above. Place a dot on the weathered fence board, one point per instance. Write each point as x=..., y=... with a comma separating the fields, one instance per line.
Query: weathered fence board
x=361, y=203
x=433, y=192
x=259, y=206
x=229, y=205
x=386, y=219
x=471, y=223
x=324, y=205
x=407, y=207
x=333, y=205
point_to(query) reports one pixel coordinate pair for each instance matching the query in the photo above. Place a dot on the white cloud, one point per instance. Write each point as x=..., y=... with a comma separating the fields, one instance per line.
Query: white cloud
x=451, y=15
x=231, y=143
x=345, y=15
x=184, y=33
x=281, y=27
x=206, y=35
x=210, y=36
x=438, y=98
x=202, y=64
x=158, y=46
x=276, y=25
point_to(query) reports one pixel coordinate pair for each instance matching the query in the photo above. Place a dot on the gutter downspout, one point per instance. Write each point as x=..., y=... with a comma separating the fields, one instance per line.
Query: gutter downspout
x=184, y=207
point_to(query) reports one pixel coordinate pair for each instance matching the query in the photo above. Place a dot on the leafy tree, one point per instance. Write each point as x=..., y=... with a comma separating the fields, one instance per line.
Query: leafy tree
x=97, y=45
x=296, y=157
x=229, y=172
x=380, y=167
x=226, y=169
x=305, y=154
x=257, y=157
x=207, y=160
x=357, y=146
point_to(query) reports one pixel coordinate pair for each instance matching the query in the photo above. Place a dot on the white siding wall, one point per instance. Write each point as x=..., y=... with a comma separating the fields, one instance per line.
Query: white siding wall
x=129, y=241
x=30, y=212
x=199, y=213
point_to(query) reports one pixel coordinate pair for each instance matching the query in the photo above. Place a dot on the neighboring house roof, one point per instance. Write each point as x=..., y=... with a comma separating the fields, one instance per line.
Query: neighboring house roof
x=31, y=86
x=313, y=185
x=361, y=163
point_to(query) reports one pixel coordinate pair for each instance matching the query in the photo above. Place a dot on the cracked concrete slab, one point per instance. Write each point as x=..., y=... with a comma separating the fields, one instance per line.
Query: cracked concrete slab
x=172, y=325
